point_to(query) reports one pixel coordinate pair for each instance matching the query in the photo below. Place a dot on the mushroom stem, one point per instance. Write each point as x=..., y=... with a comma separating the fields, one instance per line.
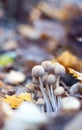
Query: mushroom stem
x=53, y=99
x=59, y=102
x=57, y=82
x=42, y=109
x=48, y=91
x=64, y=85
x=48, y=106
x=59, y=92
x=50, y=96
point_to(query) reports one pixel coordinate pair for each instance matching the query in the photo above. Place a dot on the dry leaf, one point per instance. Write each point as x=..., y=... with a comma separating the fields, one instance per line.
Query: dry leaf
x=25, y=96
x=14, y=101
x=69, y=60
x=75, y=74
x=28, y=32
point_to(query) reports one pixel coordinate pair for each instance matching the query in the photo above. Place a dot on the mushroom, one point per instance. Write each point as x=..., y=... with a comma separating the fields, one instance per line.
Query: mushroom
x=58, y=70
x=38, y=72
x=30, y=87
x=39, y=94
x=59, y=91
x=51, y=80
x=47, y=65
x=41, y=104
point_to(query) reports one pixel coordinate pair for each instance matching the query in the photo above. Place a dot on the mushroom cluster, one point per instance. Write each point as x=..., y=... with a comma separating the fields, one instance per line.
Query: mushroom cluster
x=46, y=86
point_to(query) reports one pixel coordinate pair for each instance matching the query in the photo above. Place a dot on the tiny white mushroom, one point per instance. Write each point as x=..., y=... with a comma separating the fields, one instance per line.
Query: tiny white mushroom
x=51, y=80
x=59, y=91
x=38, y=72
x=47, y=65
x=39, y=94
x=30, y=88
x=41, y=103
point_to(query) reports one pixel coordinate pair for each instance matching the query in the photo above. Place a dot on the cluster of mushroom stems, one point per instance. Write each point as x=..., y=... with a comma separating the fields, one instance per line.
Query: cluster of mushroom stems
x=46, y=84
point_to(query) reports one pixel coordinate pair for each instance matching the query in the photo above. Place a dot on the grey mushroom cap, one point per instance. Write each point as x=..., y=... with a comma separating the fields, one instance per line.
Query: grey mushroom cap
x=40, y=101
x=59, y=91
x=38, y=71
x=58, y=69
x=47, y=65
x=39, y=94
x=51, y=79
x=30, y=87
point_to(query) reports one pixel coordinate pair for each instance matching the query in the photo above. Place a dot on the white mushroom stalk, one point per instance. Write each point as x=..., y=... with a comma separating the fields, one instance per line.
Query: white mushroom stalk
x=41, y=104
x=59, y=91
x=38, y=72
x=47, y=65
x=50, y=84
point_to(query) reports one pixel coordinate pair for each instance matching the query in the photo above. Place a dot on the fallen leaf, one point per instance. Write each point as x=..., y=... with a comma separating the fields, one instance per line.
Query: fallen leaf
x=25, y=96
x=14, y=101
x=75, y=74
x=28, y=32
x=7, y=59
x=69, y=61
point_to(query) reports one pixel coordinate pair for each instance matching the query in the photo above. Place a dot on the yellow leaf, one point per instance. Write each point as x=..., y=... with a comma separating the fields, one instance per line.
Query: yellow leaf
x=14, y=101
x=25, y=96
x=75, y=73
x=69, y=60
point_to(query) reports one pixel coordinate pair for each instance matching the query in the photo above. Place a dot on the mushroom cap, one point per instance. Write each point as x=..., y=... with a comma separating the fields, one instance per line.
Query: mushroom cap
x=51, y=79
x=30, y=87
x=44, y=78
x=59, y=91
x=39, y=94
x=40, y=101
x=58, y=69
x=70, y=103
x=47, y=65
x=38, y=71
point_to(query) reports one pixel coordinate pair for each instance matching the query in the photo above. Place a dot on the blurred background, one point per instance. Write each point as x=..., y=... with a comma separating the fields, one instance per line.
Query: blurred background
x=35, y=30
